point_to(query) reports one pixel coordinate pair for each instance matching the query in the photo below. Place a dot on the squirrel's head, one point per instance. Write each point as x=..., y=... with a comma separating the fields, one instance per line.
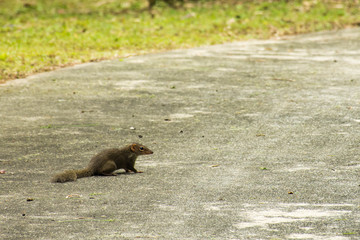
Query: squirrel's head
x=139, y=149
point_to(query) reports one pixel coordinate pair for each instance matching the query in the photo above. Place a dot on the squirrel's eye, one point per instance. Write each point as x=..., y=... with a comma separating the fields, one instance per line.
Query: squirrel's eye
x=141, y=149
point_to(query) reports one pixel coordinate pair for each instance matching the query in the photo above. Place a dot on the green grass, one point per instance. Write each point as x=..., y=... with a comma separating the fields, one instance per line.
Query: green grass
x=41, y=35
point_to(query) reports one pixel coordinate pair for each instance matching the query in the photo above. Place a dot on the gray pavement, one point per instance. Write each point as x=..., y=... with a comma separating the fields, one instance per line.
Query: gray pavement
x=251, y=140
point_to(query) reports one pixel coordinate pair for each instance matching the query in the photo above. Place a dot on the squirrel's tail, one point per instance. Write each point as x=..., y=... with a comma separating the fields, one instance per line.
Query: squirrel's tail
x=72, y=175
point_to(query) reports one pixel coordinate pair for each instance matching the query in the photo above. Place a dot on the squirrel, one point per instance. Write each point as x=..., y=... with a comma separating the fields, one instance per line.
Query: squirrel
x=106, y=162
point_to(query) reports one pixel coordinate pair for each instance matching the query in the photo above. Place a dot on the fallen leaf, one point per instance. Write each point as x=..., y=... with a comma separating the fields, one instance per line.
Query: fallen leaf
x=74, y=196
x=230, y=21
x=189, y=15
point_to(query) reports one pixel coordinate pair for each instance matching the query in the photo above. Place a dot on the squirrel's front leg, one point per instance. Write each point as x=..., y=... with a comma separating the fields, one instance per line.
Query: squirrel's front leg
x=132, y=169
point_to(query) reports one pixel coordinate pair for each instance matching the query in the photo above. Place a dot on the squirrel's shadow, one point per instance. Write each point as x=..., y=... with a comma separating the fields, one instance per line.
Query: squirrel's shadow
x=114, y=174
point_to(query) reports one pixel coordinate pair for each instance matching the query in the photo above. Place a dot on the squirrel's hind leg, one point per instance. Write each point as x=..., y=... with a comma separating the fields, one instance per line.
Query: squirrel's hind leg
x=108, y=169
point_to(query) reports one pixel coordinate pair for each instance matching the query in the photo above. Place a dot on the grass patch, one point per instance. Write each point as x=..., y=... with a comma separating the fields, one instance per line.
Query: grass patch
x=41, y=35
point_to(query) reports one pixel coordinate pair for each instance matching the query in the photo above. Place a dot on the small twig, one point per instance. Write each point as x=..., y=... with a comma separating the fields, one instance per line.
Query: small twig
x=283, y=79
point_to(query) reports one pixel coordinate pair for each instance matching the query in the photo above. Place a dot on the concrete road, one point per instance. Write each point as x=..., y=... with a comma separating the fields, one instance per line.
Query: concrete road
x=251, y=140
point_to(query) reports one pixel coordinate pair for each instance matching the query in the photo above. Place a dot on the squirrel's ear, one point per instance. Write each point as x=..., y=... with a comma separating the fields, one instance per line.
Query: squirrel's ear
x=132, y=148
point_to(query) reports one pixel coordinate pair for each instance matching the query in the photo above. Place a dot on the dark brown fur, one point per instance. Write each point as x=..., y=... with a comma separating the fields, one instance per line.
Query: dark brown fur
x=106, y=162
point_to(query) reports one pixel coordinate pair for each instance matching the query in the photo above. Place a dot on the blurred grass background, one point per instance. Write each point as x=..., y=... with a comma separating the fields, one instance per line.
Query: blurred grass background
x=42, y=35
